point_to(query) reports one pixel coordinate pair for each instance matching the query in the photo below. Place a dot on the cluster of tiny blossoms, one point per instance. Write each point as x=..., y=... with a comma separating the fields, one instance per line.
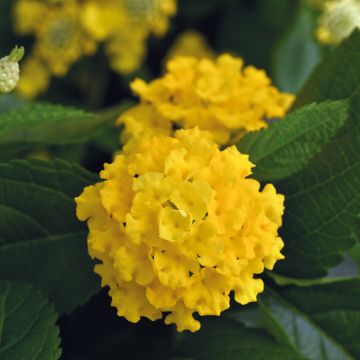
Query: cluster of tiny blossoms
x=337, y=20
x=66, y=31
x=221, y=96
x=178, y=225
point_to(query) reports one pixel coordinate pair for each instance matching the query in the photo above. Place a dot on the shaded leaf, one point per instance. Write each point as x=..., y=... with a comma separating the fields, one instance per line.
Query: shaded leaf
x=41, y=240
x=228, y=340
x=297, y=53
x=293, y=327
x=320, y=321
x=336, y=77
x=27, y=324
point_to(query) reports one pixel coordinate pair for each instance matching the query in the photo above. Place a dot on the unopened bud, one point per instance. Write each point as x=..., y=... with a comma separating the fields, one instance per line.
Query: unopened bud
x=9, y=70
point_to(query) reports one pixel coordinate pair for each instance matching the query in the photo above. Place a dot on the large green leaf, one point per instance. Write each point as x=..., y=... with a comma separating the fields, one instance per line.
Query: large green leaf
x=297, y=53
x=228, y=340
x=322, y=203
x=27, y=324
x=48, y=124
x=288, y=145
x=320, y=322
x=41, y=240
x=336, y=77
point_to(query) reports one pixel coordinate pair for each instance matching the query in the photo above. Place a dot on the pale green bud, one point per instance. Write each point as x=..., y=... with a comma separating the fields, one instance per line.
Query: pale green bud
x=9, y=70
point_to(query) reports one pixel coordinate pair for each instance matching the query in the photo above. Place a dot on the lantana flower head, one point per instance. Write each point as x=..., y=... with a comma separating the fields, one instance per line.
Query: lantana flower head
x=178, y=225
x=220, y=96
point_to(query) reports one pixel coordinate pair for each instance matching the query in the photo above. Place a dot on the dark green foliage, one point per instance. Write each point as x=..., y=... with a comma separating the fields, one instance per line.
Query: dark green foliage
x=41, y=241
x=27, y=324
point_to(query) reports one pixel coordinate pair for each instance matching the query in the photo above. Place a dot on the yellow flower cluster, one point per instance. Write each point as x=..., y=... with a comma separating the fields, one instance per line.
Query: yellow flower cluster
x=66, y=31
x=338, y=19
x=220, y=96
x=177, y=225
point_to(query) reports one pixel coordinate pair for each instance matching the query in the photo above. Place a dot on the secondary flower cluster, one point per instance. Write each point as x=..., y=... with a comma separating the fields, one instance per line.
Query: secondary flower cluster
x=338, y=19
x=221, y=96
x=66, y=31
x=178, y=225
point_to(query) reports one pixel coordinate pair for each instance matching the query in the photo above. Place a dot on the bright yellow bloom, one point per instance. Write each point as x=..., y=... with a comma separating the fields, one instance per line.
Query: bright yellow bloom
x=339, y=19
x=190, y=43
x=177, y=225
x=35, y=78
x=220, y=96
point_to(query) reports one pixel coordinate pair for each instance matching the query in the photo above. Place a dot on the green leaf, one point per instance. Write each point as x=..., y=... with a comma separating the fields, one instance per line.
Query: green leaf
x=336, y=77
x=228, y=340
x=27, y=324
x=319, y=322
x=297, y=53
x=355, y=254
x=322, y=206
x=288, y=145
x=48, y=125
x=41, y=240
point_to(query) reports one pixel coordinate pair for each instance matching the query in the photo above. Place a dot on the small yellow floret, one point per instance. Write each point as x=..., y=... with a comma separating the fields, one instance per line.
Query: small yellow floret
x=177, y=226
x=220, y=96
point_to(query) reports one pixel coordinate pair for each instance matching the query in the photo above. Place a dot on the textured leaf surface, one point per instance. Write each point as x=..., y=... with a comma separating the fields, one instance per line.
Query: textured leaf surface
x=297, y=53
x=320, y=321
x=228, y=340
x=27, y=324
x=294, y=327
x=335, y=307
x=41, y=240
x=47, y=124
x=336, y=77
x=288, y=145
x=322, y=217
